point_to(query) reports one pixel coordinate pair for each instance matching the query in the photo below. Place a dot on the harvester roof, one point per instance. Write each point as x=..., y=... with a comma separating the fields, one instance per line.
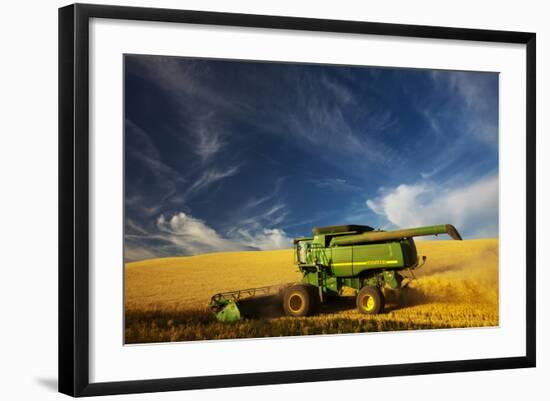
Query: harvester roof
x=348, y=228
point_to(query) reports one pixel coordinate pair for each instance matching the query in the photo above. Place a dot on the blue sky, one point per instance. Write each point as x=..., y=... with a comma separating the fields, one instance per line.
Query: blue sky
x=238, y=155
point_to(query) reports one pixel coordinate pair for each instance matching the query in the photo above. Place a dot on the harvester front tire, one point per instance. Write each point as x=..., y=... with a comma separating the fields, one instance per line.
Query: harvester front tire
x=370, y=301
x=298, y=301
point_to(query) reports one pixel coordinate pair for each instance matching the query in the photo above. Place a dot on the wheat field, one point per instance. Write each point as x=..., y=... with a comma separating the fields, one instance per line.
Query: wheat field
x=166, y=299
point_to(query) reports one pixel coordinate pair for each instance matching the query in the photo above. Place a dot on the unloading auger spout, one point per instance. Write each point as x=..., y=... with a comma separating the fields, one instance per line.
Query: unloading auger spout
x=381, y=236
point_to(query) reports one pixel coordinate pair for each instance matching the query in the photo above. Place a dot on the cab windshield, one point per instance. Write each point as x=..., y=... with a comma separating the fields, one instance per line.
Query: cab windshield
x=302, y=251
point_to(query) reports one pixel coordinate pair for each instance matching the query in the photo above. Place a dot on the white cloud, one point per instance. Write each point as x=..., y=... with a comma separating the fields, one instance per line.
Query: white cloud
x=472, y=89
x=133, y=227
x=267, y=217
x=334, y=184
x=166, y=179
x=472, y=208
x=208, y=143
x=268, y=238
x=192, y=235
x=144, y=150
x=183, y=234
x=255, y=201
x=317, y=122
x=207, y=178
x=339, y=90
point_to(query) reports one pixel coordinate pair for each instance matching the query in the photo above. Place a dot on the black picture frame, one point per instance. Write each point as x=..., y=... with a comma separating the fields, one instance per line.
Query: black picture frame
x=74, y=198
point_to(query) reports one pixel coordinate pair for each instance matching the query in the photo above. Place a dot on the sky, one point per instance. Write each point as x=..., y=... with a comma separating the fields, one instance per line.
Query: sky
x=225, y=155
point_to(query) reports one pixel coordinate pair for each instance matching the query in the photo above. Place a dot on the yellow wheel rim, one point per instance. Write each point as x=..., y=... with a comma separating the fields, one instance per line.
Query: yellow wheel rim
x=296, y=302
x=368, y=303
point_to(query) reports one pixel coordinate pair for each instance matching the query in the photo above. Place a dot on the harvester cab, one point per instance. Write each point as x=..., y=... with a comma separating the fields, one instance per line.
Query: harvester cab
x=337, y=260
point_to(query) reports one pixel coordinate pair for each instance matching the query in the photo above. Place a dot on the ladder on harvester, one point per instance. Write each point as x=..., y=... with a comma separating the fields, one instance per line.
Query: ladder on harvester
x=321, y=262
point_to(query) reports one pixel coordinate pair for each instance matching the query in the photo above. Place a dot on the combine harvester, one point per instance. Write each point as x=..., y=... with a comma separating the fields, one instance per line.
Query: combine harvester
x=338, y=258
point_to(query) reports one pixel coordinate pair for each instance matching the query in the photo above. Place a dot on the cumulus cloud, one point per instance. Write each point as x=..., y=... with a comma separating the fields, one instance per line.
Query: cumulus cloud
x=183, y=234
x=192, y=235
x=472, y=208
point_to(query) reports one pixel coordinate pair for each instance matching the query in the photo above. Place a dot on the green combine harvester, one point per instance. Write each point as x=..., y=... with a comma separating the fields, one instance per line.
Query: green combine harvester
x=337, y=258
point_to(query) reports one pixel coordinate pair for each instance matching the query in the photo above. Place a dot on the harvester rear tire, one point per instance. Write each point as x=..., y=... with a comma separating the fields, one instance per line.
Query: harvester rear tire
x=370, y=301
x=298, y=300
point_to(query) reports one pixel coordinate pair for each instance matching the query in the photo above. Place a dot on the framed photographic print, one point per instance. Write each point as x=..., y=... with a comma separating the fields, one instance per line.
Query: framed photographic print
x=317, y=192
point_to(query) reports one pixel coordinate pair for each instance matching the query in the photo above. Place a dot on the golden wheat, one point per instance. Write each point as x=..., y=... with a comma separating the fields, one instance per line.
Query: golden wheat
x=166, y=298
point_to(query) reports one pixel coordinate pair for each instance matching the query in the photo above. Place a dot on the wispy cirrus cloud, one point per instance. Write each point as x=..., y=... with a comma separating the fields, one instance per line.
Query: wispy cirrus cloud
x=168, y=185
x=186, y=85
x=334, y=184
x=159, y=178
x=339, y=132
x=340, y=90
x=230, y=130
x=209, y=143
x=205, y=180
x=210, y=176
x=321, y=114
x=141, y=146
x=473, y=99
x=256, y=200
x=273, y=215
